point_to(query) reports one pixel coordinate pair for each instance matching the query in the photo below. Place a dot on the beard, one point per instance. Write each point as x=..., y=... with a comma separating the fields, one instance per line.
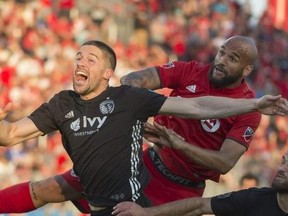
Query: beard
x=224, y=82
x=280, y=186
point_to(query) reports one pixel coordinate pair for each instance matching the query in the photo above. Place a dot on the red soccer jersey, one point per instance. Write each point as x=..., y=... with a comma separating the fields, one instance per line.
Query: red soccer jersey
x=188, y=80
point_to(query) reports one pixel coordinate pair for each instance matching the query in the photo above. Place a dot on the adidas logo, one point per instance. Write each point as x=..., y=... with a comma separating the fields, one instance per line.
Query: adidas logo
x=69, y=115
x=191, y=88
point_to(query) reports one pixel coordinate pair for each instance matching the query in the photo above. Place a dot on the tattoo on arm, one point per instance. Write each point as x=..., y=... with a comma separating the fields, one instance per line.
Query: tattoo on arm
x=146, y=78
x=133, y=79
x=33, y=190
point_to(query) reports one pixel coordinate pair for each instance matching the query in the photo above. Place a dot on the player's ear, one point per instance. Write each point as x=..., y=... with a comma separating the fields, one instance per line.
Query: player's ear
x=108, y=74
x=248, y=70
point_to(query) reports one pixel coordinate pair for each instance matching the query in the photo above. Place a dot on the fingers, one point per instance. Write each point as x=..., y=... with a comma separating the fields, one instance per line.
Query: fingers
x=154, y=129
x=4, y=112
x=8, y=107
x=150, y=128
x=160, y=128
x=124, y=209
x=282, y=107
x=152, y=138
x=283, y=104
x=273, y=97
x=273, y=105
x=118, y=209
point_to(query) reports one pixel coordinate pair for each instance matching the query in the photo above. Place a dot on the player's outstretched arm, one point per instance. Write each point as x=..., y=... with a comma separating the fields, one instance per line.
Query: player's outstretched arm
x=220, y=107
x=222, y=160
x=16, y=132
x=4, y=111
x=195, y=206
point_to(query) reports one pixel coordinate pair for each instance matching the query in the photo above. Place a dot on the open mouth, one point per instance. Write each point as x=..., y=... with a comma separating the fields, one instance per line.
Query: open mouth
x=219, y=71
x=80, y=76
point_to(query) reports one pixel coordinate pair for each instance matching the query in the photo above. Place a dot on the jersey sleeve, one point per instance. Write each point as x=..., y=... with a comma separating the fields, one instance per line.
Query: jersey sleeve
x=244, y=128
x=44, y=117
x=143, y=102
x=175, y=74
x=232, y=203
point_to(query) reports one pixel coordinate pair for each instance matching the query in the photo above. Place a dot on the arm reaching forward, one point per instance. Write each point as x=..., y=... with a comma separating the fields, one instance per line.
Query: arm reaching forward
x=221, y=160
x=16, y=132
x=220, y=107
x=195, y=206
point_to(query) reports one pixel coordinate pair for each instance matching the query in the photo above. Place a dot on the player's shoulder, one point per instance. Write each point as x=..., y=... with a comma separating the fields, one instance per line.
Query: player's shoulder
x=261, y=190
x=197, y=64
x=128, y=88
x=66, y=94
x=248, y=91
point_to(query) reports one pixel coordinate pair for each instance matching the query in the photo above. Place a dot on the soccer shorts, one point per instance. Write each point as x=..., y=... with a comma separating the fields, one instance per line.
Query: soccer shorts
x=165, y=186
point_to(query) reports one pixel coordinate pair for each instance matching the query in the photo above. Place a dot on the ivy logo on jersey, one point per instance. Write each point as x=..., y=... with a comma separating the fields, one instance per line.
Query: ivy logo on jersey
x=88, y=122
x=169, y=65
x=210, y=125
x=75, y=125
x=248, y=134
x=107, y=107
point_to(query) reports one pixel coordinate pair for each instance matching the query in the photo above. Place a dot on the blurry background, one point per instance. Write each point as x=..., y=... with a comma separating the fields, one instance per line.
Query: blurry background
x=39, y=38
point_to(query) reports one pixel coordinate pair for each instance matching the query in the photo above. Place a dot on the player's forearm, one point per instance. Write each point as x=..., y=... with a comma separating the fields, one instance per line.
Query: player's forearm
x=5, y=132
x=214, y=160
x=146, y=78
x=221, y=107
x=191, y=206
x=17, y=132
x=207, y=107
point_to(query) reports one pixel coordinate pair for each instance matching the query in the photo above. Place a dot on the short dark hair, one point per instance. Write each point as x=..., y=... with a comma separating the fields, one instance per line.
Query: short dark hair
x=106, y=49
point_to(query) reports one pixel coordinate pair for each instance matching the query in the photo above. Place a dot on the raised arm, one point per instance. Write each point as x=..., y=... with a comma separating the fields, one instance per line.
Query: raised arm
x=195, y=206
x=13, y=133
x=145, y=78
x=220, y=107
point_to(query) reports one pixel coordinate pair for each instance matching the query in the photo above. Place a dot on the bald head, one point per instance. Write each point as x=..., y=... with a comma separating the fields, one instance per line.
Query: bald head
x=234, y=61
x=244, y=46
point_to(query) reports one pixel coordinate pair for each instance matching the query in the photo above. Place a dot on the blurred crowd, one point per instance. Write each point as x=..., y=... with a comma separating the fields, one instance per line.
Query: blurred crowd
x=39, y=38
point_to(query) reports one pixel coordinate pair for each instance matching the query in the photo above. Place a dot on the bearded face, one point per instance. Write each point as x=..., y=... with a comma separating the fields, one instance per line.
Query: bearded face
x=280, y=182
x=221, y=78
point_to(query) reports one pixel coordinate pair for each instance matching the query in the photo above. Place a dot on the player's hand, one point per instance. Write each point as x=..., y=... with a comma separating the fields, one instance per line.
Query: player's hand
x=272, y=105
x=129, y=209
x=4, y=111
x=162, y=136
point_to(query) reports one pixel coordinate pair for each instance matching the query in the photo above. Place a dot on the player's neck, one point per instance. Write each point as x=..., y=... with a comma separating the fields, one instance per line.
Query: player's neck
x=283, y=201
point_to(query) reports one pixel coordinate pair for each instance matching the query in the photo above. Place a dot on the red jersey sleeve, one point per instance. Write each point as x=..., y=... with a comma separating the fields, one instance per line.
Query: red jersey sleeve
x=244, y=128
x=178, y=74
